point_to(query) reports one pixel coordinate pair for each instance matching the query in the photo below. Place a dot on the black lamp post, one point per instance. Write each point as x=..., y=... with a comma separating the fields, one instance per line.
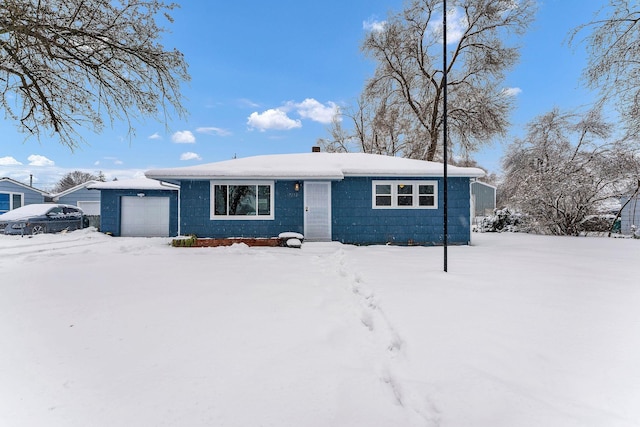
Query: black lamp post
x=444, y=124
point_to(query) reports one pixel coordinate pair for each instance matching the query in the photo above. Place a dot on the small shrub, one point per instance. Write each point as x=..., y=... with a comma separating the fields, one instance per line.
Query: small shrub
x=184, y=243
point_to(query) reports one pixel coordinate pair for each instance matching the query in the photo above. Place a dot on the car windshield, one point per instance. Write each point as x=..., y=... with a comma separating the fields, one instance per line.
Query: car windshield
x=25, y=212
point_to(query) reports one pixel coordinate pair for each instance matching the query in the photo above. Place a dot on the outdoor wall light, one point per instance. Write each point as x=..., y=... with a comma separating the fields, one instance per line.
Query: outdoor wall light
x=140, y=194
x=296, y=186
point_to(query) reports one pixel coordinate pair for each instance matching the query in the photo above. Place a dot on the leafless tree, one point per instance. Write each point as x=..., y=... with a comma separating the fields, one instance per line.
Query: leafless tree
x=71, y=63
x=372, y=127
x=409, y=71
x=565, y=169
x=74, y=178
x=613, y=45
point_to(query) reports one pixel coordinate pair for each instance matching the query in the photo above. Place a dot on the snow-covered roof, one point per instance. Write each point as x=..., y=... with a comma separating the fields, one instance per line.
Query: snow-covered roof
x=134, y=184
x=486, y=184
x=332, y=166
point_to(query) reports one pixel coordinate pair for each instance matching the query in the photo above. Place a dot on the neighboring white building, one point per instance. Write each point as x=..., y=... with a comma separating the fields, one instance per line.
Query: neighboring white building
x=483, y=198
x=630, y=216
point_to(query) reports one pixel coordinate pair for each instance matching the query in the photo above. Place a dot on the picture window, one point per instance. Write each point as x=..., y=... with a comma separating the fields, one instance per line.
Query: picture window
x=232, y=200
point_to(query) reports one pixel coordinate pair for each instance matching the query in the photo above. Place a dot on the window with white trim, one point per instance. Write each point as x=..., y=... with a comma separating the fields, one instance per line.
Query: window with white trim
x=16, y=200
x=10, y=201
x=405, y=194
x=242, y=200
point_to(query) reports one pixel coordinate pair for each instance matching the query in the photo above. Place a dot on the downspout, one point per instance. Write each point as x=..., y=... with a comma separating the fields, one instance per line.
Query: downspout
x=495, y=198
x=165, y=184
x=179, y=211
x=472, y=208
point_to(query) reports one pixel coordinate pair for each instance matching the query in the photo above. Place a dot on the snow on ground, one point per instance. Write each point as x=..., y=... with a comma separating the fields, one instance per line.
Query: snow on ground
x=523, y=331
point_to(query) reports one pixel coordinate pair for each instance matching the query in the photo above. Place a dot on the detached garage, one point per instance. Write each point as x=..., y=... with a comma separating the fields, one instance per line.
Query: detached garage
x=138, y=208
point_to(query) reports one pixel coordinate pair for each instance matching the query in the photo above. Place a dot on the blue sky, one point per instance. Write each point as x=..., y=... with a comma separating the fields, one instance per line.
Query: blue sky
x=266, y=77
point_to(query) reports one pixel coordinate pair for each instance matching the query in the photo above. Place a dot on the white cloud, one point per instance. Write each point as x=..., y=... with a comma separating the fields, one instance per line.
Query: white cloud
x=8, y=161
x=275, y=119
x=213, y=131
x=511, y=91
x=457, y=24
x=155, y=136
x=37, y=160
x=374, y=25
x=190, y=156
x=316, y=111
x=183, y=137
x=244, y=102
x=113, y=160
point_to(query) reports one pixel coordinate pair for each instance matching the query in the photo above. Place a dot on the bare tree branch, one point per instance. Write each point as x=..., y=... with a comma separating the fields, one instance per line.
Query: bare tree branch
x=71, y=63
x=613, y=45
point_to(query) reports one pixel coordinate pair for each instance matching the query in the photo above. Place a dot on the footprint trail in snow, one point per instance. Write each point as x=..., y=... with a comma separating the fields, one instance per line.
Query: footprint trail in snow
x=386, y=343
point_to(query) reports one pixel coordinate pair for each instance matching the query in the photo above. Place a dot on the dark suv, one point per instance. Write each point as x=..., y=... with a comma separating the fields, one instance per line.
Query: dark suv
x=43, y=218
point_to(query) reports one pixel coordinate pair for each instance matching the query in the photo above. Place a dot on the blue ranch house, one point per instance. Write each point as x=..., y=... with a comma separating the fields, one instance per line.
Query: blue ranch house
x=353, y=198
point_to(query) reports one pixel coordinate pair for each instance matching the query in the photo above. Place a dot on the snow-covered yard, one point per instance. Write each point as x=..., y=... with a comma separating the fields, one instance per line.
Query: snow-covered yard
x=523, y=331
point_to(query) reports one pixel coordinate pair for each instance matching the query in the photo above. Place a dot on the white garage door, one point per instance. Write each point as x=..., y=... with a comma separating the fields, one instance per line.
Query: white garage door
x=90, y=207
x=144, y=217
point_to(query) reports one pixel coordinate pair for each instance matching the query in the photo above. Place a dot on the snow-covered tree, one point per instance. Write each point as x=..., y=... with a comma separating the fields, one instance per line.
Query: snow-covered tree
x=565, y=169
x=613, y=45
x=66, y=64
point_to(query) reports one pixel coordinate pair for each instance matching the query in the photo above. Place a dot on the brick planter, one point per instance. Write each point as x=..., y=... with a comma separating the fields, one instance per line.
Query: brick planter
x=249, y=241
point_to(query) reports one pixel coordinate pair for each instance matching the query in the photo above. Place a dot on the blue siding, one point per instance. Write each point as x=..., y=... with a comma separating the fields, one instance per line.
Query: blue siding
x=110, y=208
x=82, y=195
x=355, y=221
x=195, y=202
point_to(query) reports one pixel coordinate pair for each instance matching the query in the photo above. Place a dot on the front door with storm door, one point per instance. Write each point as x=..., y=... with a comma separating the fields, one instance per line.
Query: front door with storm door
x=317, y=211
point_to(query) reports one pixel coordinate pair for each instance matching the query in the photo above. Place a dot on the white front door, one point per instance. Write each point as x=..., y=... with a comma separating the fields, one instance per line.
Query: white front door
x=317, y=211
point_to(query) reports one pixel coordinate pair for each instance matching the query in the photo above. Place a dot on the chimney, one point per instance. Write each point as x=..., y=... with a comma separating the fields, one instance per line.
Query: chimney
x=30, y=180
x=315, y=149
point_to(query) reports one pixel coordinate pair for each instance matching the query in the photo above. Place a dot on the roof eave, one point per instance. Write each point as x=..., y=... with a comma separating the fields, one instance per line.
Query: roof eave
x=42, y=192
x=256, y=177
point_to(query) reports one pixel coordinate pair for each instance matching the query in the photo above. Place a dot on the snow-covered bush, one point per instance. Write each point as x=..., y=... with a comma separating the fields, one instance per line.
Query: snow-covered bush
x=504, y=220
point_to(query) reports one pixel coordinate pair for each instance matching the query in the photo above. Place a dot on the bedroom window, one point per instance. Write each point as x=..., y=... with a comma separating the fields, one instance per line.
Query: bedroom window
x=405, y=195
x=242, y=200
